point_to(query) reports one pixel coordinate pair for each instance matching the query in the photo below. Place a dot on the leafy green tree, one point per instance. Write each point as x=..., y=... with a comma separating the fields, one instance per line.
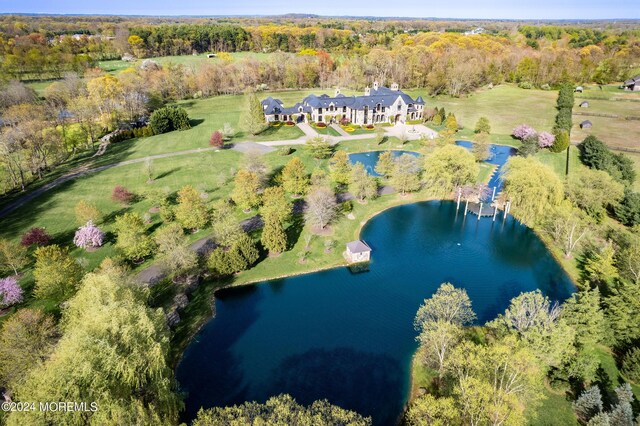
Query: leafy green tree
x=132, y=239
x=280, y=410
x=191, y=211
x=567, y=225
x=274, y=239
x=247, y=249
x=583, y=313
x=437, y=339
x=532, y=187
x=537, y=323
x=481, y=148
x=430, y=411
x=319, y=177
x=174, y=253
x=220, y=262
x=362, y=185
x=294, y=177
x=26, y=339
x=86, y=212
x=483, y=126
x=405, y=176
x=319, y=147
x=252, y=119
x=13, y=256
x=594, y=191
x=529, y=146
x=225, y=228
x=449, y=167
x=275, y=205
x=322, y=207
x=340, y=168
x=246, y=190
x=448, y=304
x=56, y=273
x=168, y=119
x=385, y=164
x=113, y=352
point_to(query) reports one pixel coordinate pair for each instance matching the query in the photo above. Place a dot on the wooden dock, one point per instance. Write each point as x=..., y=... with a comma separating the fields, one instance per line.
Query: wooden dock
x=487, y=209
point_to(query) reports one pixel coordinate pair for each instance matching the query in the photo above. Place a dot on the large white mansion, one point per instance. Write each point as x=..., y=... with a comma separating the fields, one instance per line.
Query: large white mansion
x=378, y=105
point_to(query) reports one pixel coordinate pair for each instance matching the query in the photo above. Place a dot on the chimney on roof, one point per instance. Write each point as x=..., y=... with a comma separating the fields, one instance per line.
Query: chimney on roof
x=337, y=92
x=395, y=87
x=367, y=91
x=375, y=85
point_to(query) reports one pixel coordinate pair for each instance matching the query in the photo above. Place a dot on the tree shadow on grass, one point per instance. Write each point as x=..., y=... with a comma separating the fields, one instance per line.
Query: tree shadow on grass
x=196, y=122
x=294, y=230
x=166, y=173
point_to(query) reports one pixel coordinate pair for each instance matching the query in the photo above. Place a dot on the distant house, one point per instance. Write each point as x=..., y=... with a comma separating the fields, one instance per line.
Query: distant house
x=586, y=124
x=211, y=55
x=378, y=105
x=358, y=251
x=478, y=30
x=579, y=89
x=633, y=84
x=584, y=104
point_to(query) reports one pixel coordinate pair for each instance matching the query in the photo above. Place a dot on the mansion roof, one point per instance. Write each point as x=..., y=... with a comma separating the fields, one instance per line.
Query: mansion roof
x=380, y=95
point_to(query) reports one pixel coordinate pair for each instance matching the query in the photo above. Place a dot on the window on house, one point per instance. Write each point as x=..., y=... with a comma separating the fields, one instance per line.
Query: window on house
x=319, y=110
x=382, y=109
x=344, y=109
x=320, y=118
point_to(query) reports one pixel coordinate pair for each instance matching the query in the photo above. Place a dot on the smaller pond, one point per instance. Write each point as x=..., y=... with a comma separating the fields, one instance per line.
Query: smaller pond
x=370, y=159
x=499, y=156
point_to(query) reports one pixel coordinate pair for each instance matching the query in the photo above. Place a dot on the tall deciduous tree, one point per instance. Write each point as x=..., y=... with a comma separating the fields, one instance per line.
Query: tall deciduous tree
x=225, y=227
x=532, y=187
x=56, y=273
x=405, y=176
x=567, y=225
x=127, y=376
x=384, y=166
x=447, y=304
x=86, y=211
x=340, y=168
x=449, y=167
x=319, y=147
x=275, y=205
x=594, y=191
x=362, y=185
x=322, y=207
x=174, y=253
x=13, y=256
x=273, y=238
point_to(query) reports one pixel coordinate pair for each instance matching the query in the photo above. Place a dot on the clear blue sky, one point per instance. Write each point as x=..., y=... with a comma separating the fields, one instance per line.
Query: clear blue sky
x=496, y=9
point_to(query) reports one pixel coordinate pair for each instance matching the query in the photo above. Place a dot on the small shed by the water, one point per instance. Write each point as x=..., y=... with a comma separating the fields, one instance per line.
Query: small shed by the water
x=586, y=124
x=358, y=251
x=584, y=104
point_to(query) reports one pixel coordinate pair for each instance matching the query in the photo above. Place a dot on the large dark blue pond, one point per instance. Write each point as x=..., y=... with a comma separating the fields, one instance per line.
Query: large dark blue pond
x=349, y=337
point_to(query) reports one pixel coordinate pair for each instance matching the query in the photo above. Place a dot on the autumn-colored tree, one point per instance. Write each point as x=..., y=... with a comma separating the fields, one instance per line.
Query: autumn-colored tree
x=35, y=236
x=246, y=190
x=56, y=273
x=191, y=211
x=121, y=195
x=294, y=177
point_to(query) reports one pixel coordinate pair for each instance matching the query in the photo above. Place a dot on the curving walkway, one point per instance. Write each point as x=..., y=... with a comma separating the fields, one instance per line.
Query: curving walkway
x=239, y=146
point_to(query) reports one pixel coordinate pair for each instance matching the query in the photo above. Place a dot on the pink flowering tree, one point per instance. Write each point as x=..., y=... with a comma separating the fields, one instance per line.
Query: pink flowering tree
x=10, y=292
x=523, y=132
x=88, y=236
x=546, y=139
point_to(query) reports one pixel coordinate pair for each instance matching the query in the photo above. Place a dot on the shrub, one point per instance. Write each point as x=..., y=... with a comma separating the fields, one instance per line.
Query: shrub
x=37, y=236
x=275, y=124
x=523, y=131
x=631, y=365
x=349, y=129
x=289, y=124
x=88, y=236
x=216, y=140
x=169, y=118
x=344, y=121
x=546, y=139
x=483, y=126
x=525, y=85
x=121, y=195
x=285, y=150
x=10, y=292
x=369, y=127
x=320, y=125
x=545, y=87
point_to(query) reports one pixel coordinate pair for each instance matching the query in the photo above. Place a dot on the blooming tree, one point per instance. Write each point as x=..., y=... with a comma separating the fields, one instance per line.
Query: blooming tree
x=523, y=132
x=216, y=140
x=546, y=139
x=37, y=236
x=88, y=236
x=10, y=292
x=121, y=195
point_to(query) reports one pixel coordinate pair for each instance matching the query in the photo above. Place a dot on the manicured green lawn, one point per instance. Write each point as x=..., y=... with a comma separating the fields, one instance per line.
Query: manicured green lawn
x=327, y=131
x=555, y=410
x=558, y=161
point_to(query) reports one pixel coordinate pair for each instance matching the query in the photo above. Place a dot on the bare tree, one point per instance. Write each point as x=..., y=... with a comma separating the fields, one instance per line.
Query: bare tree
x=321, y=207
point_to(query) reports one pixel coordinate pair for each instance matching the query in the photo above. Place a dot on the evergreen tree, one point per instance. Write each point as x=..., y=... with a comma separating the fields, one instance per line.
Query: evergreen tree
x=225, y=228
x=274, y=239
x=275, y=205
x=588, y=404
x=340, y=168
x=294, y=177
x=246, y=190
x=561, y=141
x=628, y=210
x=247, y=249
x=582, y=312
x=451, y=123
x=252, y=119
x=191, y=211
x=623, y=313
